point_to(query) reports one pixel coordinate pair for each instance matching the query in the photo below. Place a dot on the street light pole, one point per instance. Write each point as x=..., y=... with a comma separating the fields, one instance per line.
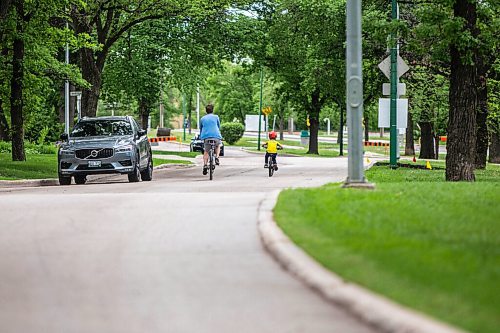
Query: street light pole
x=354, y=88
x=66, y=92
x=394, y=93
x=260, y=105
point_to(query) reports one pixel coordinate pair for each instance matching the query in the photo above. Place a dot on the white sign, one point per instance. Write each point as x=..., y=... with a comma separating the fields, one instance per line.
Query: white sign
x=386, y=89
x=385, y=67
x=384, y=112
x=75, y=93
x=252, y=123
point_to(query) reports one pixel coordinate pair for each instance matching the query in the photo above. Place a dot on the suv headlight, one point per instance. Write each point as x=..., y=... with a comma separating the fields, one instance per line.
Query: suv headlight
x=121, y=149
x=66, y=151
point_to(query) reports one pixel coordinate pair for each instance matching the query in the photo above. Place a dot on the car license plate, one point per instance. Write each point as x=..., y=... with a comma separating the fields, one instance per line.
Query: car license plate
x=94, y=164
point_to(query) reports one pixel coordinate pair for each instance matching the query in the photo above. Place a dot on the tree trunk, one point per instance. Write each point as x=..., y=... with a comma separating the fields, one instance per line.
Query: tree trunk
x=143, y=113
x=461, y=142
x=281, y=124
x=4, y=125
x=410, y=141
x=190, y=110
x=495, y=147
x=426, y=141
x=482, y=127
x=16, y=92
x=340, y=137
x=93, y=75
x=314, y=123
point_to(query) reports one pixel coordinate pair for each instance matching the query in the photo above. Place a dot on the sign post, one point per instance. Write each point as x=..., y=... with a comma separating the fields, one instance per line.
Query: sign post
x=394, y=93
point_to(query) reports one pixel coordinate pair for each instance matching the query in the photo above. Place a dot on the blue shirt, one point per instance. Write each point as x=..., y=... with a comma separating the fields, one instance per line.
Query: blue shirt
x=210, y=127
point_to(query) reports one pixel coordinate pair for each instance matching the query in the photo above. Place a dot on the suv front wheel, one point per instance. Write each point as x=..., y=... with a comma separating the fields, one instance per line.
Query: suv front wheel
x=135, y=175
x=64, y=180
x=147, y=174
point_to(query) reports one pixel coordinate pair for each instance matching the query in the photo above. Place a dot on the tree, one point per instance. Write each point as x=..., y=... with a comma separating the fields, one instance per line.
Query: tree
x=454, y=38
x=32, y=38
x=110, y=20
x=307, y=58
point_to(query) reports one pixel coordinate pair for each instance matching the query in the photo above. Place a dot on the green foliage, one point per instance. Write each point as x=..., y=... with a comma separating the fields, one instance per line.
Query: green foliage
x=232, y=132
x=31, y=148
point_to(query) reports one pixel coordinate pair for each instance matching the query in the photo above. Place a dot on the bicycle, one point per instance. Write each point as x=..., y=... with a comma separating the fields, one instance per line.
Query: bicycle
x=211, y=157
x=272, y=165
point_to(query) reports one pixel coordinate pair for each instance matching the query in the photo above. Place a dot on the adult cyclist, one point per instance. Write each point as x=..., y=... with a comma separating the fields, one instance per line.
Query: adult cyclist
x=210, y=130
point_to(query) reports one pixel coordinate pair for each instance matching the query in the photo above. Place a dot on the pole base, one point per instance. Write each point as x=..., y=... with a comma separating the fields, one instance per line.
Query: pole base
x=360, y=185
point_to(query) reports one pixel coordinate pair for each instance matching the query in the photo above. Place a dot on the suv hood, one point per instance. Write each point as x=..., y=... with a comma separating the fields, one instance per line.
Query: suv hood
x=99, y=142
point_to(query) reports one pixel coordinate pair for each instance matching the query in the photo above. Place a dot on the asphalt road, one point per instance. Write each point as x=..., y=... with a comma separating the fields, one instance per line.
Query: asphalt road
x=178, y=254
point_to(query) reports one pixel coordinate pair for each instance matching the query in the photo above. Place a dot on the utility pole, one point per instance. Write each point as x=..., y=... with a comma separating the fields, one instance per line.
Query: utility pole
x=198, y=108
x=260, y=105
x=66, y=92
x=354, y=88
x=394, y=92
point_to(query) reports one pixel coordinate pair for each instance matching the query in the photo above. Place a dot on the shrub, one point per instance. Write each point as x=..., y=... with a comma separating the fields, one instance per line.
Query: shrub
x=232, y=132
x=29, y=148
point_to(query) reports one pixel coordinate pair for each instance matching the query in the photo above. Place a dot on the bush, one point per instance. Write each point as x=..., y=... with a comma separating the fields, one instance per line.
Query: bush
x=232, y=132
x=29, y=148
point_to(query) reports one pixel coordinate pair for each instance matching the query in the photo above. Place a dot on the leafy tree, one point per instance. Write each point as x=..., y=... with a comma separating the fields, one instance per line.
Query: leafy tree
x=30, y=41
x=110, y=20
x=306, y=57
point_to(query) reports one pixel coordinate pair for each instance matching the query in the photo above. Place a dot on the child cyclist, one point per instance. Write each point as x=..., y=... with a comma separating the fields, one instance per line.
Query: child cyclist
x=272, y=147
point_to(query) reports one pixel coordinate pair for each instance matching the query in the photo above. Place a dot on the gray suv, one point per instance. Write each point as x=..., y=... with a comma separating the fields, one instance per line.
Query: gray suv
x=105, y=145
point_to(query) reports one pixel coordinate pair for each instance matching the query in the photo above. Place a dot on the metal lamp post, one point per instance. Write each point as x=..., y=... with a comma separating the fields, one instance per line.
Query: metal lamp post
x=354, y=88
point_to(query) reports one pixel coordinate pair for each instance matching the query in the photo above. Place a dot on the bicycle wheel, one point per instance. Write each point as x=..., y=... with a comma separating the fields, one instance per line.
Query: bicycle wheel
x=211, y=166
x=271, y=169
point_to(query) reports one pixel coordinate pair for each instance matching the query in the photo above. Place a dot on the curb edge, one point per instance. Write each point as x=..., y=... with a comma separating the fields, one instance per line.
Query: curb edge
x=373, y=309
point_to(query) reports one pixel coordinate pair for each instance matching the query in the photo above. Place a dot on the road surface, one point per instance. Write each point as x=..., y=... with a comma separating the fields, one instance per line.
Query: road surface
x=178, y=254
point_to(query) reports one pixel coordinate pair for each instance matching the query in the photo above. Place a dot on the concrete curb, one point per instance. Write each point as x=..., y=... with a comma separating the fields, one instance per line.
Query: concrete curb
x=29, y=183
x=375, y=310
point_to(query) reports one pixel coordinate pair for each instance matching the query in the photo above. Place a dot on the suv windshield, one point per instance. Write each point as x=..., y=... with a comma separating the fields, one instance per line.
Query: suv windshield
x=101, y=128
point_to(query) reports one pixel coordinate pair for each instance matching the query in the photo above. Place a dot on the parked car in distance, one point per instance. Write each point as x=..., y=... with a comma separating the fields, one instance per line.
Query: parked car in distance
x=197, y=145
x=105, y=145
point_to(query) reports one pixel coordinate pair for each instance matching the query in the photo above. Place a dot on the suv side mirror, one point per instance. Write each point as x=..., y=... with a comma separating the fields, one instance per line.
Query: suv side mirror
x=142, y=132
x=64, y=137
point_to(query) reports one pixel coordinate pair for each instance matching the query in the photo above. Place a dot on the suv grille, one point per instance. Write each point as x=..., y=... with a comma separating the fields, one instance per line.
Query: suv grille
x=93, y=154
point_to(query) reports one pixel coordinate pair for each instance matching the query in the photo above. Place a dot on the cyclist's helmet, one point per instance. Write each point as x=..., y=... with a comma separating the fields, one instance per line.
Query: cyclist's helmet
x=272, y=135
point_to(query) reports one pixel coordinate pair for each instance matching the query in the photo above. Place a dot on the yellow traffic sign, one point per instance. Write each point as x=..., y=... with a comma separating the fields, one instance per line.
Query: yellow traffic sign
x=267, y=110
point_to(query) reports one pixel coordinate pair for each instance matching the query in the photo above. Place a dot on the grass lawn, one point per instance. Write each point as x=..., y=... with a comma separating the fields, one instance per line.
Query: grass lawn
x=190, y=154
x=37, y=166
x=44, y=166
x=325, y=149
x=159, y=161
x=426, y=243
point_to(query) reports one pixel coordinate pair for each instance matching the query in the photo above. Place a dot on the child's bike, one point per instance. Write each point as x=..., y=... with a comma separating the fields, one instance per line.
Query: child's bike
x=273, y=166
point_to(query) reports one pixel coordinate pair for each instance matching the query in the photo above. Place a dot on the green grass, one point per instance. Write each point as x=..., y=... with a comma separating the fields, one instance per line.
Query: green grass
x=43, y=166
x=325, y=149
x=160, y=161
x=177, y=153
x=37, y=166
x=426, y=243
